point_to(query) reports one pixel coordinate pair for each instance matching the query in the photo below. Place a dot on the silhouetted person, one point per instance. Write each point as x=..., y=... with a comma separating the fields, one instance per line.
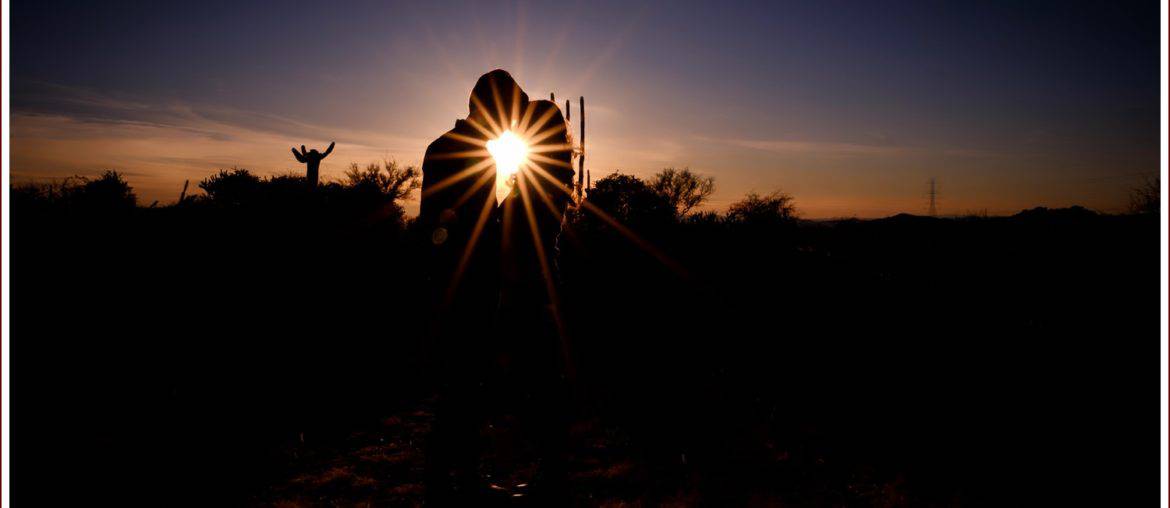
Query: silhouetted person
x=312, y=161
x=490, y=275
x=531, y=333
x=547, y=190
x=459, y=215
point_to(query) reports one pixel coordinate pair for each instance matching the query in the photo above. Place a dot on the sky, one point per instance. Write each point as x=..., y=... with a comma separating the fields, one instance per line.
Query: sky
x=850, y=107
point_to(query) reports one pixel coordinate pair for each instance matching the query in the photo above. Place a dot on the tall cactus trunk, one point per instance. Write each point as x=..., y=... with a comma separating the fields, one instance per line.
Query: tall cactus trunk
x=311, y=174
x=581, y=161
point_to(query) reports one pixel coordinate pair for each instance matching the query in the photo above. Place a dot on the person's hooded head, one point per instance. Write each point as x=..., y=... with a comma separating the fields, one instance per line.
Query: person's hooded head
x=497, y=95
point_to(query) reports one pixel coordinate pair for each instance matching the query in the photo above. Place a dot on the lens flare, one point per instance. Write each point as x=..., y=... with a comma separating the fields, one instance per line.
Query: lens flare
x=509, y=152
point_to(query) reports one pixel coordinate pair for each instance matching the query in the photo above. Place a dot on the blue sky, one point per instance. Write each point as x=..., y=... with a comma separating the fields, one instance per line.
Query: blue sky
x=849, y=106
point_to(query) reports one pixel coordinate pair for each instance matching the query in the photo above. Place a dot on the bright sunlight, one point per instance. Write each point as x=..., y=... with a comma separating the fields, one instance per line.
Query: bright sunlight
x=509, y=152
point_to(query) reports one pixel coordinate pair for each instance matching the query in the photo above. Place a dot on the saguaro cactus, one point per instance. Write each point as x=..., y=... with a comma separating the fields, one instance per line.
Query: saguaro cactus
x=312, y=161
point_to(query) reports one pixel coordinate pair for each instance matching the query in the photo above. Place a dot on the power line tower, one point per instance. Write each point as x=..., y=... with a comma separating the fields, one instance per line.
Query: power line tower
x=933, y=199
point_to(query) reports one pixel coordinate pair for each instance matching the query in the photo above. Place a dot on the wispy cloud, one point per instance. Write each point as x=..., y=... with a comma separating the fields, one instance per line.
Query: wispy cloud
x=838, y=149
x=60, y=131
x=213, y=122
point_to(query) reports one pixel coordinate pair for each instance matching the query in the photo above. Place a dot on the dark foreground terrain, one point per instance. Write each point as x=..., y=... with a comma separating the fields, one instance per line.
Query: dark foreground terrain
x=268, y=349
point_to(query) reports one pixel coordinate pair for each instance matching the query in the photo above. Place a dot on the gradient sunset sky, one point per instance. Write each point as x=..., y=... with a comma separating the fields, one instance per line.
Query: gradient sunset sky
x=851, y=107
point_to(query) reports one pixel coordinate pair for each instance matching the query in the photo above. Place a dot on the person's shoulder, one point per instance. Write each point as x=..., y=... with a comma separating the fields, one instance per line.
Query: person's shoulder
x=443, y=140
x=461, y=130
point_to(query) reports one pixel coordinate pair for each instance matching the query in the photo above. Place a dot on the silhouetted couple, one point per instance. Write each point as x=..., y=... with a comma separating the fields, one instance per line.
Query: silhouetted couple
x=492, y=273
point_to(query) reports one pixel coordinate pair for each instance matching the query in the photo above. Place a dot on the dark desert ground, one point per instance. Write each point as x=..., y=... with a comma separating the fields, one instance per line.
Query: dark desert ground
x=263, y=345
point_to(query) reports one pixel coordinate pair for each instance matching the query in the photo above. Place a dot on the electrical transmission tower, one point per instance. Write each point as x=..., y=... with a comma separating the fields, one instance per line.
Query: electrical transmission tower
x=933, y=199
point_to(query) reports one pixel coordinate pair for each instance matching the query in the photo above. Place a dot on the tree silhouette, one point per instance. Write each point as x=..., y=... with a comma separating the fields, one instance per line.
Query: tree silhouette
x=628, y=199
x=312, y=161
x=755, y=209
x=683, y=189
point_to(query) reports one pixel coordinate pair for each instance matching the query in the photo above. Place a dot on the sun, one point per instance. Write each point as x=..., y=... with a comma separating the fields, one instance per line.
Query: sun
x=509, y=152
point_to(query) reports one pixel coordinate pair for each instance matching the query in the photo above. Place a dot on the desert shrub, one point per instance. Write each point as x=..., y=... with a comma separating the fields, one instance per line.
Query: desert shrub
x=389, y=179
x=630, y=200
x=233, y=187
x=683, y=189
x=1147, y=197
x=106, y=193
x=754, y=209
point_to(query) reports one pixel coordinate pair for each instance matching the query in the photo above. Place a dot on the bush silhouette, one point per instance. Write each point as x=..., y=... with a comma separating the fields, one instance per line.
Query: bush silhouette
x=772, y=209
x=1147, y=197
x=389, y=179
x=107, y=192
x=233, y=187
